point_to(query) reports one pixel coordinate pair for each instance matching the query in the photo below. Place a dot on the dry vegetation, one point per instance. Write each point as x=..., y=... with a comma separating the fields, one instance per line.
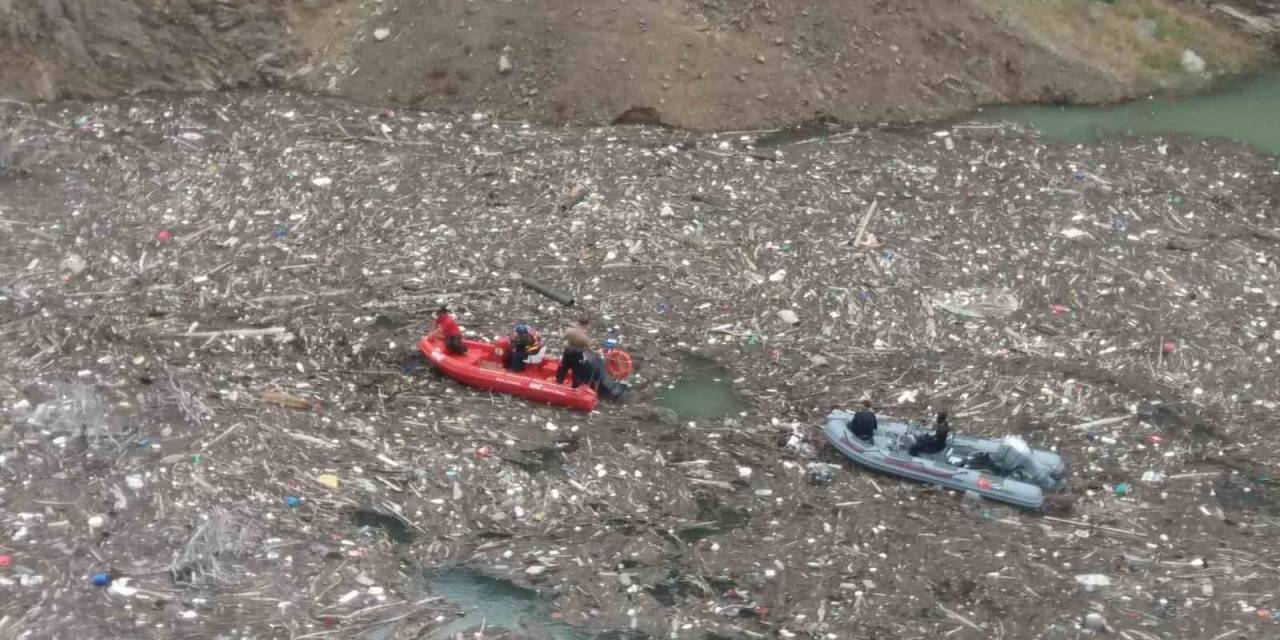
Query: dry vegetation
x=1139, y=42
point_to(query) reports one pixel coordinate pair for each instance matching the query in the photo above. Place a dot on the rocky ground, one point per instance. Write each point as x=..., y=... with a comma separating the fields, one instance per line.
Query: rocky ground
x=208, y=307
x=700, y=64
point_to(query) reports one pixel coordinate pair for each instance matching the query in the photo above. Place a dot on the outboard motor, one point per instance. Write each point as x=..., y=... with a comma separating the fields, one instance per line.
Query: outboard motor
x=1015, y=458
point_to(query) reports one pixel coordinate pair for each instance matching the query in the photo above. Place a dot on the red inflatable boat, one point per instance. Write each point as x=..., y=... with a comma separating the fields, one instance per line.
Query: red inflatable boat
x=479, y=367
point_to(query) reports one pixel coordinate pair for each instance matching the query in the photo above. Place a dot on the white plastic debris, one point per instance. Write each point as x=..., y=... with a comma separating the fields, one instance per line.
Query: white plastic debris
x=121, y=587
x=73, y=263
x=1095, y=622
x=1093, y=581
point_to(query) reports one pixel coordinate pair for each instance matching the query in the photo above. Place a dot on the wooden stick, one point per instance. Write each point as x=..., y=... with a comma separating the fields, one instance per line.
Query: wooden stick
x=1102, y=423
x=233, y=427
x=866, y=219
x=237, y=333
x=311, y=440
x=1099, y=527
x=961, y=619
x=287, y=401
x=302, y=296
x=1194, y=474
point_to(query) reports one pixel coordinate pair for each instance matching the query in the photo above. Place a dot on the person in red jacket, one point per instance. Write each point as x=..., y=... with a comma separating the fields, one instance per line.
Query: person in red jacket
x=448, y=327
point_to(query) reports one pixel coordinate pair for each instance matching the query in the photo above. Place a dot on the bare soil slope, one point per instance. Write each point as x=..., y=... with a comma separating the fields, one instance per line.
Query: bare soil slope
x=708, y=64
x=73, y=48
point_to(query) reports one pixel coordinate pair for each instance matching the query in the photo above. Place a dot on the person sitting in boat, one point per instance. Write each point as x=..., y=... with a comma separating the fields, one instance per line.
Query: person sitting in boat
x=935, y=442
x=525, y=349
x=586, y=366
x=447, y=327
x=863, y=424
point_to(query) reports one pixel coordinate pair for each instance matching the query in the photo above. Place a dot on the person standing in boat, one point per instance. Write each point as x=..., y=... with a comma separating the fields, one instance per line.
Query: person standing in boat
x=575, y=359
x=935, y=442
x=447, y=327
x=586, y=366
x=863, y=424
x=525, y=347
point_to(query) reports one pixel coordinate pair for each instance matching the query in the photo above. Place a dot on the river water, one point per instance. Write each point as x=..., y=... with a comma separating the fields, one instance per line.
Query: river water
x=704, y=391
x=496, y=604
x=1245, y=110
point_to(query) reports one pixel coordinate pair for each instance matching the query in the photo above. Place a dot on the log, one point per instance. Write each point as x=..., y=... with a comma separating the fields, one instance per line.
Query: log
x=555, y=294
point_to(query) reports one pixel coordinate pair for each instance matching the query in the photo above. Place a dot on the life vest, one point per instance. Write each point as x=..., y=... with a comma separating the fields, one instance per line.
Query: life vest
x=535, y=341
x=618, y=363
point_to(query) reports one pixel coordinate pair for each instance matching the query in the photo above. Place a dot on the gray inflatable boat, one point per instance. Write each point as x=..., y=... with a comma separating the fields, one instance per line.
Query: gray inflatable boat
x=1007, y=470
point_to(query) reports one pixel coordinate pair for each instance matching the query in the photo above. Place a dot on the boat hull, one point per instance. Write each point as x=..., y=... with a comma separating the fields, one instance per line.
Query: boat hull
x=888, y=454
x=481, y=368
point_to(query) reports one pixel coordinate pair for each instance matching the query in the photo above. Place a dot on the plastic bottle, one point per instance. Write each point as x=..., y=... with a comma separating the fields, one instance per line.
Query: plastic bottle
x=613, y=339
x=820, y=473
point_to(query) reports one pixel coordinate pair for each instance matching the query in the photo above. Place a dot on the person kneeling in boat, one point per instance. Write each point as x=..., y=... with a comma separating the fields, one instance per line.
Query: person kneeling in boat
x=863, y=424
x=935, y=442
x=447, y=327
x=586, y=367
x=525, y=349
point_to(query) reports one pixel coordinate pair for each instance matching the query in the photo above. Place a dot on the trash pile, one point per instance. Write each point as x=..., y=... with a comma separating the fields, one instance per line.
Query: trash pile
x=214, y=422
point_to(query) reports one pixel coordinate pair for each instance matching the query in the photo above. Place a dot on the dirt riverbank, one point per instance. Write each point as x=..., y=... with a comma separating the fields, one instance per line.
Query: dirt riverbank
x=706, y=64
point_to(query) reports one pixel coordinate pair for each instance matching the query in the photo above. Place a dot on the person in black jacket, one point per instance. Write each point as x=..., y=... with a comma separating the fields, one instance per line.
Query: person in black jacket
x=935, y=442
x=863, y=424
x=586, y=366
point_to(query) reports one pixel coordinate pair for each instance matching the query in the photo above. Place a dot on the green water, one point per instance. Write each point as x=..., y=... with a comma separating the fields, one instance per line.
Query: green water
x=704, y=391
x=716, y=520
x=497, y=604
x=1245, y=110
x=394, y=527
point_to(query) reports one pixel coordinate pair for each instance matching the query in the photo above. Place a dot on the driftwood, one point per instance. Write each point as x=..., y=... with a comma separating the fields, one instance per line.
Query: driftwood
x=209, y=315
